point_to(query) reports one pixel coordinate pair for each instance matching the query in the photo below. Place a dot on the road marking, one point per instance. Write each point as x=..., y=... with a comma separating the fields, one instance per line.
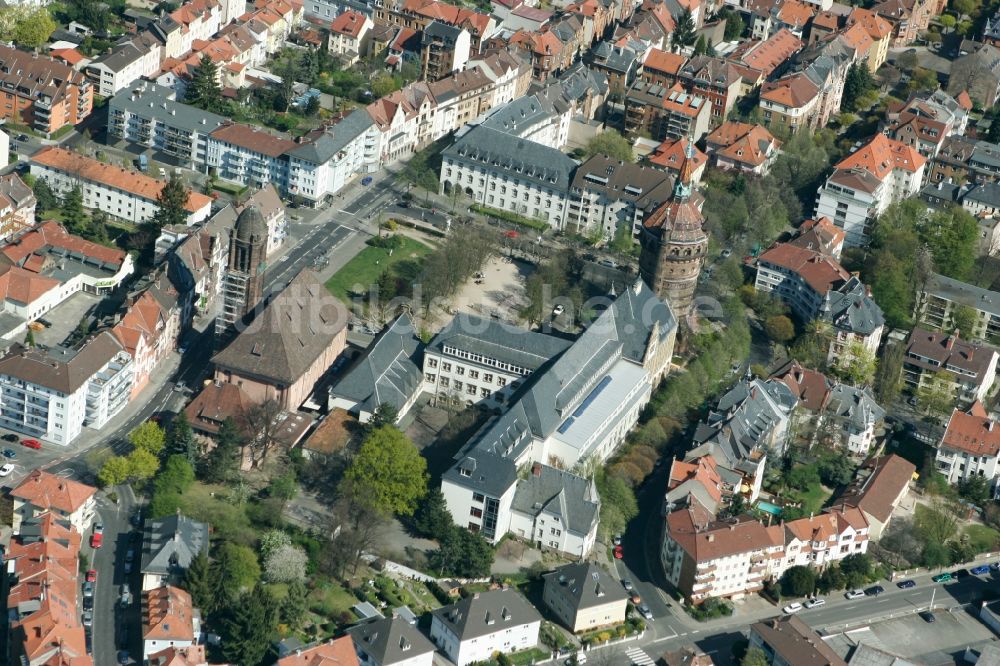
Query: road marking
x=639, y=657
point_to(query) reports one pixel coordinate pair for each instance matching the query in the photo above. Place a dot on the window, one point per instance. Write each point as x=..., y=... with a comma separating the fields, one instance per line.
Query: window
x=459, y=370
x=446, y=367
x=471, y=389
x=501, y=381
x=432, y=363
x=476, y=513
x=473, y=374
x=485, y=392
x=488, y=377
x=458, y=386
x=444, y=382
x=430, y=377
x=478, y=497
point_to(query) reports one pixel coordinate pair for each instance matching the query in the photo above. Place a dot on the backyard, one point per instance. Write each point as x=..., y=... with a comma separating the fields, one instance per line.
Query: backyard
x=365, y=270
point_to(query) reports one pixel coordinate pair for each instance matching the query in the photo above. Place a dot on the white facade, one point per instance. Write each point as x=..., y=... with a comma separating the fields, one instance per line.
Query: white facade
x=4, y=149
x=80, y=519
x=552, y=532
x=127, y=63
x=481, y=648
x=479, y=511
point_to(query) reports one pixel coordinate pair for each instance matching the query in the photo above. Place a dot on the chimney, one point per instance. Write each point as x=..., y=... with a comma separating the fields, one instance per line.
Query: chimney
x=536, y=469
x=950, y=342
x=711, y=538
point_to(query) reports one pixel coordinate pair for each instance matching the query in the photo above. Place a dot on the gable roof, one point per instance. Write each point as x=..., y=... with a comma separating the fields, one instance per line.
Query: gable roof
x=485, y=613
x=168, y=615
x=880, y=482
x=389, y=640
x=571, y=498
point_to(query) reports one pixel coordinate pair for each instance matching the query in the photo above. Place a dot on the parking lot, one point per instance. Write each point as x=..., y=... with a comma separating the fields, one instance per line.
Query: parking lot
x=935, y=643
x=65, y=317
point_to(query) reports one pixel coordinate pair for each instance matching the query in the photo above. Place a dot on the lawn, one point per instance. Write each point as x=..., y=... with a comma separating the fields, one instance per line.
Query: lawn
x=525, y=657
x=208, y=504
x=362, y=271
x=331, y=601
x=813, y=499
x=982, y=538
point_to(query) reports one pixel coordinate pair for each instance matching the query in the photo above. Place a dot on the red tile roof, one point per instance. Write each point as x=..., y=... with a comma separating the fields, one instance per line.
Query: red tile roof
x=664, y=61
x=743, y=142
x=349, y=23
x=335, y=652
x=48, y=491
x=51, y=234
x=821, y=273
x=254, y=139
x=167, y=615
x=17, y=284
x=475, y=22
x=876, y=493
x=793, y=91
x=973, y=432
x=671, y=154
x=703, y=539
x=877, y=27
x=881, y=155
x=704, y=470
x=773, y=52
x=812, y=388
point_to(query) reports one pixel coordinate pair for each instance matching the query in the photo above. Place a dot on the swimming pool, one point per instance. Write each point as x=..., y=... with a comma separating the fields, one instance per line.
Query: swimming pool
x=768, y=507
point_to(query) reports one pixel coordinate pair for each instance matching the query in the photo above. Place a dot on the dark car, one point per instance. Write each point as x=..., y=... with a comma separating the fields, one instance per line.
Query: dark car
x=123, y=657
x=906, y=584
x=22, y=138
x=874, y=591
x=9, y=453
x=961, y=573
x=980, y=570
x=9, y=437
x=88, y=603
x=927, y=616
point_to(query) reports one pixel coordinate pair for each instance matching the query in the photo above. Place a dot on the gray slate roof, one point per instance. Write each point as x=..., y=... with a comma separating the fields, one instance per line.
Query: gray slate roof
x=483, y=472
x=987, y=194
x=850, y=308
x=963, y=293
x=745, y=417
x=523, y=159
x=388, y=372
x=856, y=405
x=587, y=584
x=334, y=138
x=486, y=613
x=495, y=339
x=556, y=492
x=389, y=640
x=147, y=100
x=170, y=543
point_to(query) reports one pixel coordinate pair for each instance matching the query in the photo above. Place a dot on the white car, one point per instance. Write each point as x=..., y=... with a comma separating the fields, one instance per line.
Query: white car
x=6, y=469
x=793, y=607
x=558, y=310
x=855, y=594
x=813, y=603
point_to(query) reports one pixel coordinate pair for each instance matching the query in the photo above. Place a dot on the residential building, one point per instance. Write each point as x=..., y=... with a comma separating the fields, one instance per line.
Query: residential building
x=129, y=60
x=879, y=488
x=46, y=94
x=941, y=297
x=669, y=156
x=268, y=203
x=608, y=194
x=336, y=651
x=169, y=544
x=390, y=641
x=4, y=149
x=555, y=510
x=736, y=145
x=713, y=485
x=879, y=30
x=473, y=629
x=951, y=112
x=123, y=194
x=687, y=656
x=661, y=68
x=909, y=18
x=775, y=52
x=976, y=72
x=288, y=346
x=584, y=597
x=791, y=102
x=214, y=404
x=350, y=35
x=53, y=393
x=666, y=113
x=42, y=492
x=416, y=14
x=971, y=368
x=866, y=182
x=169, y=619
x=17, y=205
x=970, y=447
x=542, y=116
x=149, y=327
x=715, y=80
x=247, y=155
x=444, y=49
x=191, y=655
x=389, y=372
x=788, y=641
x=823, y=539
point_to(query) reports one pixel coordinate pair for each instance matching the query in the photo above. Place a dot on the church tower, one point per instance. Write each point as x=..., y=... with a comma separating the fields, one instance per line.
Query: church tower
x=244, y=281
x=674, y=242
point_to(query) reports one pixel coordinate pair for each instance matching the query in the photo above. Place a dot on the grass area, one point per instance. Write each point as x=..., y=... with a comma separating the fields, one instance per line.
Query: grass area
x=61, y=132
x=982, y=538
x=331, y=601
x=208, y=503
x=813, y=499
x=525, y=657
x=229, y=188
x=371, y=262
x=513, y=218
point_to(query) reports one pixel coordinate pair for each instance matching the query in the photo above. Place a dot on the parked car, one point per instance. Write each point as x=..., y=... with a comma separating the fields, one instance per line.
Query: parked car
x=366, y=181
x=793, y=607
x=617, y=541
x=98, y=527
x=619, y=553
x=88, y=618
x=88, y=603
x=130, y=555
x=980, y=570
x=88, y=589
x=813, y=603
x=123, y=657
x=6, y=470
x=645, y=612
x=636, y=599
x=9, y=453
x=942, y=578
x=628, y=585
x=9, y=437
x=558, y=310
x=927, y=616
x=31, y=443
x=854, y=594
x=874, y=591
x=92, y=576
x=96, y=540
x=22, y=137
x=906, y=584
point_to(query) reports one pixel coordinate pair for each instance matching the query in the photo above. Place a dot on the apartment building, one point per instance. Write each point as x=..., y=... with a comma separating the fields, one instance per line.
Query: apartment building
x=970, y=367
x=941, y=297
x=584, y=596
x=416, y=14
x=17, y=205
x=149, y=327
x=789, y=641
x=666, y=113
x=483, y=624
x=53, y=393
x=879, y=488
x=137, y=57
x=444, y=49
x=169, y=544
x=335, y=650
x=42, y=93
x=607, y=195
x=791, y=102
x=879, y=31
x=121, y=193
x=743, y=146
x=169, y=619
x=970, y=447
x=42, y=493
x=715, y=80
x=866, y=182
x=542, y=116
x=350, y=35
x=390, y=641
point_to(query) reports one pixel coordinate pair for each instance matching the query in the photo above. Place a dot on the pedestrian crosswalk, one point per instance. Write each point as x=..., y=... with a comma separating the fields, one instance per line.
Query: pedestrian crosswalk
x=638, y=657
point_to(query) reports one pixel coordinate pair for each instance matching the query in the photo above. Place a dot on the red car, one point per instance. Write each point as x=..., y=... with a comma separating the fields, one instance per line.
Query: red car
x=619, y=553
x=92, y=576
x=31, y=443
x=96, y=540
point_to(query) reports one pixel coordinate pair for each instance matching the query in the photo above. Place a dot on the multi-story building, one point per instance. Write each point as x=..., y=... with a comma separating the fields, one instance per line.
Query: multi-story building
x=336, y=650
x=941, y=297
x=584, y=597
x=53, y=393
x=880, y=32
x=970, y=447
x=714, y=79
x=868, y=181
x=736, y=145
x=791, y=102
x=908, y=18
x=42, y=93
x=879, y=488
x=169, y=619
x=444, y=49
x=666, y=113
x=169, y=544
x=139, y=56
x=43, y=493
x=350, y=35
x=971, y=368
x=389, y=641
x=17, y=205
x=788, y=641
x=661, y=67
x=607, y=195
x=127, y=195
x=416, y=14
x=483, y=624
x=150, y=326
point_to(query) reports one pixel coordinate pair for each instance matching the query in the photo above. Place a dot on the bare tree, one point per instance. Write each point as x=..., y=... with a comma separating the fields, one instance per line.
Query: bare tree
x=355, y=527
x=261, y=424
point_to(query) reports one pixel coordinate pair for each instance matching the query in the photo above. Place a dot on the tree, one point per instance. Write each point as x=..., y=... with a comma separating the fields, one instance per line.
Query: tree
x=611, y=144
x=385, y=414
x=965, y=7
x=798, y=581
x=975, y=489
x=198, y=582
x=271, y=540
x=836, y=469
x=171, y=202
x=755, y=657
x=285, y=564
x=222, y=462
x=204, y=91
x=700, y=46
x=857, y=568
x=923, y=79
x=248, y=627
x=734, y=26
x=963, y=319
x=462, y=553
x=685, y=32
x=935, y=394
x=951, y=235
x=312, y=105
x=618, y=503
x=857, y=83
x=936, y=523
x=993, y=135
x=391, y=470
x=45, y=198
x=72, y=209
x=383, y=84
x=234, y=571
x=779, y=328
x=295, y=605
x=432, y=518
x=357, y=527
x=173, y=481
x=888, y=376
x=831, y=579
x=182, y=441
x=149, y=436
x=35, y=29
x=935, y=555
x=114, y=472
x=262, y=420
x=857, y=365
x=284, y=486
x=142, y=465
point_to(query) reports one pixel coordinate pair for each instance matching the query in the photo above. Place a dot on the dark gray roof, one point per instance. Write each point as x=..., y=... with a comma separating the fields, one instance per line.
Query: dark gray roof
x=448, y=33
x=586, y=584
x=850, y=308
x=484, y=472
x=985, y=193
x=616, y=58
x=148, y=100
x=623, y=181
x=389, y=641
x=944, y=192
x=856, y=405
x=521, y=114
x=486, y=613
x=521, y=158
x=556, y=492
x=388, y=372
x=334, y=138
x=975, y=297
x=745, y=417
x=495, y=339
x=579, y=80
x=284, y=340
x=170, y=543
x=61, y=369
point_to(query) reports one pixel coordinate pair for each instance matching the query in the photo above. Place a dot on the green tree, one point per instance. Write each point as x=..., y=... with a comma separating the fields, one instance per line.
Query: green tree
x=923, y=79
x=295, y=605
x=700, y=46
x=149, y=436
x=29, y=338
x=835, y=469
x=142, y=465
x=284, y=486
x=858, y=83
x=385, y=414
x=857, y=568
x=965, y=7
x=171, y=202
x=685, y=32
x=45, y=198
x=734, y=25
x=888, y=376
x=755, y=657
x=993, y=135
x=182, y=441
x=779, y=328
x=857, y=365
x=798, y=581
x=975, y=489
x=462, y=553
x=383, y=84
x=72, y=209
x=247, y=629
x=935, y=555
x=618, y=503
x=612, y=144
x=204, y=90
x=198, y=582
x=222, y=462
x=115, y=471
x=935, y=395
x=35, y=29
x=936, y=523
x=432, y=518
x=234, y=571
x=963, y=319
x=623, y=241
x=176, y=476
x=391, y=470
x=831, y=579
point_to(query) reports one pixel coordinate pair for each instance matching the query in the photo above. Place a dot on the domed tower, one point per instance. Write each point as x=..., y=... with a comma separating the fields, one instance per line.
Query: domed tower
x=674, y=242
x=244, y=281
